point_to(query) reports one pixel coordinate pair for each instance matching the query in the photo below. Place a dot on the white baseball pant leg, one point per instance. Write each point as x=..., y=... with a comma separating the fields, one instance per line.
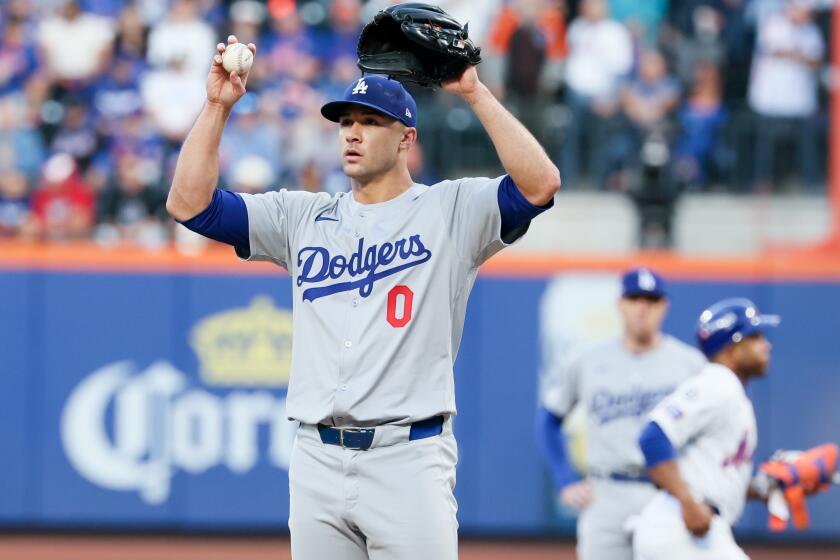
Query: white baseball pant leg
x=661, y=535
x=385, y=503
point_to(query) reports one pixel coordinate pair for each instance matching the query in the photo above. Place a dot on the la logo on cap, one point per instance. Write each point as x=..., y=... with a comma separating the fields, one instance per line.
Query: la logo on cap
x=361, y=87
x=407, y=113
x=646, y=280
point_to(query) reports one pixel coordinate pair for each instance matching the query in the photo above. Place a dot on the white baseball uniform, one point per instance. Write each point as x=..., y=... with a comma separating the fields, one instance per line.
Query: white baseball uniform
x=380, y=293
x=711, y=423
x=617, y=388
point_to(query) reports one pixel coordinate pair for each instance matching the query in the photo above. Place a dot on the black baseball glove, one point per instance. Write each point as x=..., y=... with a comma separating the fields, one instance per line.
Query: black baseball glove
x=418, y=43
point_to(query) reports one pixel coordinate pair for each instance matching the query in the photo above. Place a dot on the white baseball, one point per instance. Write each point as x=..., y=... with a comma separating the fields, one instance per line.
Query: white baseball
x=237, y=58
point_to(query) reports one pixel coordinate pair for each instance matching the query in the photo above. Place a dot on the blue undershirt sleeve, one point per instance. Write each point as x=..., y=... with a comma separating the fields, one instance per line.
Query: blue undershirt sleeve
x=515, y=210
x=552, y=443
x=224, y=220
x=656, y=447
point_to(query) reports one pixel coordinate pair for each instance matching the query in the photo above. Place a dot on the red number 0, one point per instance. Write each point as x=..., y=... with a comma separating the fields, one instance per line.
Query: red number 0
x=393, y=299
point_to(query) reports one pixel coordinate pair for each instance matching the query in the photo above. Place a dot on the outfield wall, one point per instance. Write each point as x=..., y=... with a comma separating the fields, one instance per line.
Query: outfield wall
x=149, y=392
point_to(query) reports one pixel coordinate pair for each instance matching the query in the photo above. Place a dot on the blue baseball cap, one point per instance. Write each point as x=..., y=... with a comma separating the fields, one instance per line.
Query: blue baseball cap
x=642, y=282
x=730, y=321
x=379, y=93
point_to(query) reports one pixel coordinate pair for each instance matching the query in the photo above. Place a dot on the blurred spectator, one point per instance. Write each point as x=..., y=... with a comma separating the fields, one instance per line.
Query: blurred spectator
x=783, y=90
x=344, y=30
x=648, y=99
x=699, y=150
x=600, y=55
x=63, y=207
x=14, y=203
x=531, y=36
x=703, y=42
x=312, y=150
x=75, y=45
x=152, y=11
x=21, y=10
x=134, y=134
x=17, y=57
x=173, y=97
x=118, y=94
x=251, y=134
x=21, y=146
x=246, y=17
x=290, y=47
x=184, y=36
x=77, y=135
x=78, y=69
x=342, y=72
x=132, y=34
x=129, y=209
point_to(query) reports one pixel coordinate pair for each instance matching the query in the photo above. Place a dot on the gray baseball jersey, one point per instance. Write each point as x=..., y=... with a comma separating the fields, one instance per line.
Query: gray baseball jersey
x=617, y=389
x=380, y=293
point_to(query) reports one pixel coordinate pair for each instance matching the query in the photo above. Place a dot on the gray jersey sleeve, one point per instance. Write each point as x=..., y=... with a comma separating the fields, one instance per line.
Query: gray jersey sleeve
x=473, y=220
x=562, y=385
x=273, y=218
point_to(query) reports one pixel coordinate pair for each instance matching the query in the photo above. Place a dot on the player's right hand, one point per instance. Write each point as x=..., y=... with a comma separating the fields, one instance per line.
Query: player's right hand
x=697, y=517
x=577, y=495
x=223, y=87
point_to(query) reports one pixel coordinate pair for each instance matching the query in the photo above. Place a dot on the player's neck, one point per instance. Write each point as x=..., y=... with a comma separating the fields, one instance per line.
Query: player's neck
x=725, y=361
x=383, y=187
x=637, y=345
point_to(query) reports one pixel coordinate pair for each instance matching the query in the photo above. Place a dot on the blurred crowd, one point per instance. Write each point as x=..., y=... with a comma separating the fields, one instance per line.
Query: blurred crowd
x=690, y=94
x=652, y=97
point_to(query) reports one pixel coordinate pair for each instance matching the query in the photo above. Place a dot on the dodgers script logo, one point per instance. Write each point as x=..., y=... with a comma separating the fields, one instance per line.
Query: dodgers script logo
x=316, y=265
x=607, y=406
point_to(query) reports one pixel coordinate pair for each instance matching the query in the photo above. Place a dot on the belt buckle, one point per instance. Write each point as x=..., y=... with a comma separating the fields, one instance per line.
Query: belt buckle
x=341, y=436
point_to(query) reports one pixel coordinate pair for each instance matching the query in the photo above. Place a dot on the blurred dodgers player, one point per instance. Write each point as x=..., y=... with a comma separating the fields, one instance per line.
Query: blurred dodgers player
x=617, y=382
x=700, y=441
x=380, y=280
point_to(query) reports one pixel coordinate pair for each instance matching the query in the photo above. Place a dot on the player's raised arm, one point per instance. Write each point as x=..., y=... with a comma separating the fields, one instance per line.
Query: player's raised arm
x=521, y=154
x=197, y=170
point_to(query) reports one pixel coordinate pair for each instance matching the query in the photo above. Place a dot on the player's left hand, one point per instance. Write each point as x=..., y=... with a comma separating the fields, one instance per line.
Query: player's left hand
x=464, y=86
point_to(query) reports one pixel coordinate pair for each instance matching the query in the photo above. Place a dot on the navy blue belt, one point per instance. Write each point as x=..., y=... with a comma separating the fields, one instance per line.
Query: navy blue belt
x=632, y=475
x=362, y=438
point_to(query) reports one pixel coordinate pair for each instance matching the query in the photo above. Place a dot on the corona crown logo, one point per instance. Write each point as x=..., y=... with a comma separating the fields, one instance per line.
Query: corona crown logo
x=245, y=346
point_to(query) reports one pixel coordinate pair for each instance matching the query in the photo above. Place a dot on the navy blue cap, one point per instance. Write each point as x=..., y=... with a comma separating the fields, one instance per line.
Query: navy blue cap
x=379, y=93
x=642, y=282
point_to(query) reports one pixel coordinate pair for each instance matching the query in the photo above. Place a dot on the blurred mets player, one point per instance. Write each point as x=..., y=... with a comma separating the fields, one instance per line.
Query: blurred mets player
x=617, y=382
x=700, y=440
x=380, y=280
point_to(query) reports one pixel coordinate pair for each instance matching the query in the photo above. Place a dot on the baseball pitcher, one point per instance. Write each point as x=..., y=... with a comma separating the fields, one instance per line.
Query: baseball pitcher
x=380, y=280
